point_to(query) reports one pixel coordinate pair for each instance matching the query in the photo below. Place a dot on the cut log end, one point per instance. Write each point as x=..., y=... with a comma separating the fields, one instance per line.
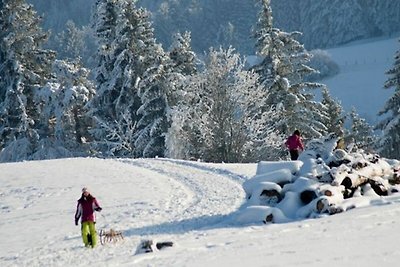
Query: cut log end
x=269, y=219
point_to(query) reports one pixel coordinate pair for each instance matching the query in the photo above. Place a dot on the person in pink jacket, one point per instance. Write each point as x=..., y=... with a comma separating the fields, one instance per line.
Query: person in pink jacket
x=85, y=209
x=295, y=145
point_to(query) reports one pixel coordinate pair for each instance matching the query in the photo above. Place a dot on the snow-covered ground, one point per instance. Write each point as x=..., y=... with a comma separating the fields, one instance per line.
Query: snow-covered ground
x=362, y=75
x=192, y=204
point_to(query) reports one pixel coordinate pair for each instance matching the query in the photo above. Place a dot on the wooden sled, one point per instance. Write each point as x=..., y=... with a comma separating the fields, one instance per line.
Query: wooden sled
x=110, y=236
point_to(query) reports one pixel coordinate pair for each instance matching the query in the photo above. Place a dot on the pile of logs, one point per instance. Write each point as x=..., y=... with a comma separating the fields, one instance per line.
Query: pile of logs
x=325, y=183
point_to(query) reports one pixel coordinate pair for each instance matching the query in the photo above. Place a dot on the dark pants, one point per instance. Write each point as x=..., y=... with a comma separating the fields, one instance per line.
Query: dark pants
x=294, y=154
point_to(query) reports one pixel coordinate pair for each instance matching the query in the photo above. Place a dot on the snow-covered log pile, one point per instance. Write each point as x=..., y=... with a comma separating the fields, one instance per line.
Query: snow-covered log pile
x=323, y=181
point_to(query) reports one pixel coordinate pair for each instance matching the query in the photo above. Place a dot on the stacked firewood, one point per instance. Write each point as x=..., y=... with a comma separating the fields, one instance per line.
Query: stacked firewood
x=324, y=181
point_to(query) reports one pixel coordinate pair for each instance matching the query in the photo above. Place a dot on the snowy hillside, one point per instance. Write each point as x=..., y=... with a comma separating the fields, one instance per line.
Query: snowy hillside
x=362, y=75
x=191, y=204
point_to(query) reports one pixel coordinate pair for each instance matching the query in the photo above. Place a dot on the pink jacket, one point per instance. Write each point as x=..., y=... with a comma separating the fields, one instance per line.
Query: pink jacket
x=294, y=142
x=85, y=209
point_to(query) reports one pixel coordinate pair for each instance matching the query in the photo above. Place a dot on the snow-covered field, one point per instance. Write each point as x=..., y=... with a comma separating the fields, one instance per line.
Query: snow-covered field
x=192, y=204
x=362, y=75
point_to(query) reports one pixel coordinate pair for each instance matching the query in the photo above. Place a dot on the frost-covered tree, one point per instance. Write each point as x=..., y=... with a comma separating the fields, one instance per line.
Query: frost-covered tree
x=64, y=124
x=389, y=143
x=131, y=82
x=335, y=114
x=282, y=73
x=184, y=63
x=122, y=47
x=24, y=67
x=58, y=12
x=153, y=124
x=329, y=22
x=222, y=119
x=227, y=22
x=156, y=84
x=361, y=134
x=71, y=42
x=104, y=21
x=154, y=81
x=182, y=55
x=322, y=61
x=387, y=24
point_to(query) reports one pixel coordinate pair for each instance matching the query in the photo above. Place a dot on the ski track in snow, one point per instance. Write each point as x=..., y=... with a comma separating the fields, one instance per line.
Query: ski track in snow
x=153, y=198
x=211, y=195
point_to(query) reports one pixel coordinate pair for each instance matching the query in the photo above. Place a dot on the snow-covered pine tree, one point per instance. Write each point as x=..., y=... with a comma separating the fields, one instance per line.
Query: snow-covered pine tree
x=282, y=73
x=222, y=121
x=184, y=63
x=24, y=67
x=104, y=22
x=154, y=80
x=64, y=125
x=361, y=134
x=130, y=80
x=76, y=90
x=153, y=124
x=125, y=41
x=389, y=143
x=335, y=114
x=338, y=21
x=71, y=42
x=182, y=55
x=155, y=86
x=382, y=25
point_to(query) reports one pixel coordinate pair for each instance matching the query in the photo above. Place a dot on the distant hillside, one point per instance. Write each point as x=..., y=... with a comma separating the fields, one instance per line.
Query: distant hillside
x=324, y=23
x=362, y=75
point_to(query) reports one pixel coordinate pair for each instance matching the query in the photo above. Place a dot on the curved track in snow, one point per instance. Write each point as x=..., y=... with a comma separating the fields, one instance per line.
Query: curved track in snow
x=202, y=196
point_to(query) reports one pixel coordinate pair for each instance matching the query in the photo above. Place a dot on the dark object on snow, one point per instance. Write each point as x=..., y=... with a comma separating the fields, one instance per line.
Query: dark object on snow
x=339, y=158
x=146, y=246
x=270, y=193
x=347, y=183
x=269, y=218
x=307, y=196
x=270, y=197
x=396, y=178
x=359, y=165
x=348, y=193
x=350, y=189
x=161, y=245
x=337, y=163
x=333, y=210
x=375, y=158
x=323, y=206
x=379, y=188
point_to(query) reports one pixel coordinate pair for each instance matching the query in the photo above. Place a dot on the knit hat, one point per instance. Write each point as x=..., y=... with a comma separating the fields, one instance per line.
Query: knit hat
x=85, y=189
